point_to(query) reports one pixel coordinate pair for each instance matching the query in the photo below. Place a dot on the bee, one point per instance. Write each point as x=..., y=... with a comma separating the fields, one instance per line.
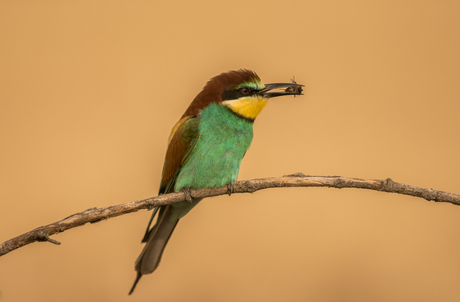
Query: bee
x=294, y=89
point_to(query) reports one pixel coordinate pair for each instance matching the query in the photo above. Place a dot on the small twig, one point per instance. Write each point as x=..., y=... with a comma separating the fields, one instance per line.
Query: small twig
x=43, y=236
x=246, y=186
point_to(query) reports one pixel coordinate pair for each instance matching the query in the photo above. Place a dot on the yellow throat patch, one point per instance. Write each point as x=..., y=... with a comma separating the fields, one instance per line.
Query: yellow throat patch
x=248, y=107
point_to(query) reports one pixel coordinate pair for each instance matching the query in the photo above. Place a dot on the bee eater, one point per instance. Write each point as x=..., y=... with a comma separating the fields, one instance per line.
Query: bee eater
x=205, y=149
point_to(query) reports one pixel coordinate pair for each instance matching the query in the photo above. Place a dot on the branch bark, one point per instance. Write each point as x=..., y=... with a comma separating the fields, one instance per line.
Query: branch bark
x=93, y=215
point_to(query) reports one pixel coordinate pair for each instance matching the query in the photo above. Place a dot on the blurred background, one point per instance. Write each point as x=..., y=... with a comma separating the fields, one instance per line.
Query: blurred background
x=89, y=91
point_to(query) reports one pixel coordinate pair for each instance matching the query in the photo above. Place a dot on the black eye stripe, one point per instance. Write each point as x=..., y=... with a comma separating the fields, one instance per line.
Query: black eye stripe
x=231, y=95
x=236, y=94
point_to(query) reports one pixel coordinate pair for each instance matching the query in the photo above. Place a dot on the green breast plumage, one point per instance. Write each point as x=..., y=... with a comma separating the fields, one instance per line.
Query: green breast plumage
x=216, y=158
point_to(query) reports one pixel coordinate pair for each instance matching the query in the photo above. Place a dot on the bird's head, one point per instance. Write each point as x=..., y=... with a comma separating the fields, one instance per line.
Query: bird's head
x=241, y=91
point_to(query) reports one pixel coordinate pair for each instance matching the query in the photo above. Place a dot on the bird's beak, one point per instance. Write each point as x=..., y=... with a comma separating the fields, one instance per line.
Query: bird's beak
x=289, y=89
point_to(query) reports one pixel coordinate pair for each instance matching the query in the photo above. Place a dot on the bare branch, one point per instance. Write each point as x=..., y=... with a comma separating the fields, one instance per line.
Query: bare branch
x=245, y=186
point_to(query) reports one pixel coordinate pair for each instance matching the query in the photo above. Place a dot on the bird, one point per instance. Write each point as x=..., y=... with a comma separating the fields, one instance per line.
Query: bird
x=205, y=150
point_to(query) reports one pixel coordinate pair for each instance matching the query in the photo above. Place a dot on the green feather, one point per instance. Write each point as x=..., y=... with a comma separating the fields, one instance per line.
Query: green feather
x=215, y=160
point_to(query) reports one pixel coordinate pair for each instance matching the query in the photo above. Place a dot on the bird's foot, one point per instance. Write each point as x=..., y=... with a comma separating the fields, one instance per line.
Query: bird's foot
x=230, y=189
x=188, y=194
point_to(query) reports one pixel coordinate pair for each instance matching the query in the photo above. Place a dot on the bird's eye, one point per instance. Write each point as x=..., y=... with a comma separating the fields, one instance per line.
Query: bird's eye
x=245, y=90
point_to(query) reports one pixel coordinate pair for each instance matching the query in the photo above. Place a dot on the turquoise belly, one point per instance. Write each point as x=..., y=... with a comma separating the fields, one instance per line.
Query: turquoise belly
x=216, y=160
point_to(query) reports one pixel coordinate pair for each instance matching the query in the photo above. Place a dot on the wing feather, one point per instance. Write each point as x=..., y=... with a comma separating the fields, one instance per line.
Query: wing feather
x=182, y=142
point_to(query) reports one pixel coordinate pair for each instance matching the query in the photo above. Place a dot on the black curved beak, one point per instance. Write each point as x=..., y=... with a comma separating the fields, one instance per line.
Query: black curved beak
x=289, y=89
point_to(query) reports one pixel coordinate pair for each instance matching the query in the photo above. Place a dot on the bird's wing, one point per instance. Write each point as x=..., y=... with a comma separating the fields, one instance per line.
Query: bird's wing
x=182, y=141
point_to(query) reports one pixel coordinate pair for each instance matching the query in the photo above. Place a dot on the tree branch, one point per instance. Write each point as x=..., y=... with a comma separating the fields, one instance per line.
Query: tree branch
x=245, y=186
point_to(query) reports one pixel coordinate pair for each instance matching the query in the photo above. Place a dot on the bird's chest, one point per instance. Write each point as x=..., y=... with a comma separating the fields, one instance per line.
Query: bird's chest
x=215, y=161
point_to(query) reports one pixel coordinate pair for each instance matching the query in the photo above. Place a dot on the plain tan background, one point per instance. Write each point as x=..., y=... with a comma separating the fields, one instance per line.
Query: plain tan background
x=89, y=91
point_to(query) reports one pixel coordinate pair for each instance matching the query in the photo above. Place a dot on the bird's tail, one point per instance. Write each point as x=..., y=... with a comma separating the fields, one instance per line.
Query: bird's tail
x=156, y=239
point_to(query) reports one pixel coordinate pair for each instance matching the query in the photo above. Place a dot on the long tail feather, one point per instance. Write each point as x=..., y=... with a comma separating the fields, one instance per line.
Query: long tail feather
x=147, y=232
x=138, y=277
x=150, y=256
